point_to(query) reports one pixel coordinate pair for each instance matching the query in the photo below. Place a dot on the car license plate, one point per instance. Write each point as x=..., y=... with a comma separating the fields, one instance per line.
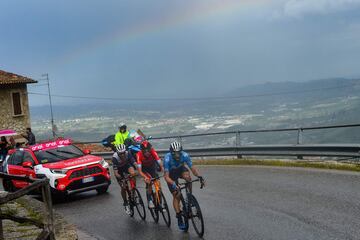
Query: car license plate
x=88, y=179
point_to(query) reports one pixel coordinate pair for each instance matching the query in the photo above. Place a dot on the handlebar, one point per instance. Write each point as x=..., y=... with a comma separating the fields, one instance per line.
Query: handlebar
x=156, y=178
x=185, y=184
x=127, y=178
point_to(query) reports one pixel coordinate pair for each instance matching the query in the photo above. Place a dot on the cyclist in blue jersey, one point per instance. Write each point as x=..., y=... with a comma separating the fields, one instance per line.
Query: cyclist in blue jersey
x=174, y=168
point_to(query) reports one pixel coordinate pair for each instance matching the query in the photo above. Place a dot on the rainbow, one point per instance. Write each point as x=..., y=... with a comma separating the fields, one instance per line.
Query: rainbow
x=121, y=36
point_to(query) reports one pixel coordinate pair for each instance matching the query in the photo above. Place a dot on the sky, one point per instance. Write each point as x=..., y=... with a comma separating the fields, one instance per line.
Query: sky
x=177, y=48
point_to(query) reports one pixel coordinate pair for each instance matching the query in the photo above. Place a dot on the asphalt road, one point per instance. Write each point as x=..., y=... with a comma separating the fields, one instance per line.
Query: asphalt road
x=239, y=203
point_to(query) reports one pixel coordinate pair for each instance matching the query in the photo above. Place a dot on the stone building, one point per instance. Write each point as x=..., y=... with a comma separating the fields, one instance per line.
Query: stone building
x=14, y=104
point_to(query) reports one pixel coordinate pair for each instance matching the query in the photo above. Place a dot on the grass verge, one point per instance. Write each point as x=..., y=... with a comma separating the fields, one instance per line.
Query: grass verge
x=282, y=163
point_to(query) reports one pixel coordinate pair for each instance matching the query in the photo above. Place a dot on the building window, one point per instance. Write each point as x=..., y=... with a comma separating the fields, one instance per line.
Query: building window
x=16, y=100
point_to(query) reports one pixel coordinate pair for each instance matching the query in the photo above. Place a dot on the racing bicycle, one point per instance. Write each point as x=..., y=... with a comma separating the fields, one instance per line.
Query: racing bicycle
x=191, y=208
x=133, y=196
x=160, y=203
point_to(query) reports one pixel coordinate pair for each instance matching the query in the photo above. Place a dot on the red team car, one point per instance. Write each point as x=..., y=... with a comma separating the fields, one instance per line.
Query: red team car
x=69, y=169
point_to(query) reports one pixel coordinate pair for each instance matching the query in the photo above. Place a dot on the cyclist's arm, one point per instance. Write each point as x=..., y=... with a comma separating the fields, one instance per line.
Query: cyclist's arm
x=115, y=167
x=167, y=170
x=195, y=171
x=168, y=179
x=157, y=158
x=132, y=160
x=190, y=165
x=139, y=164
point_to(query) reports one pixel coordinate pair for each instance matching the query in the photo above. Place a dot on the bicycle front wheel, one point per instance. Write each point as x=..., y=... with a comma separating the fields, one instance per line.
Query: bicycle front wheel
x=155, y=211
x=131, y=204
x=165, y=210
x=196, y=215
x=139, y=204
x=184, y=213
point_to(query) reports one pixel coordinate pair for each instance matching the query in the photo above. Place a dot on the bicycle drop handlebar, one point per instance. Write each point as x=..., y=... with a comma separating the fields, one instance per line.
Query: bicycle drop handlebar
x=184, y=185
x=127, y=178
x=156, y=178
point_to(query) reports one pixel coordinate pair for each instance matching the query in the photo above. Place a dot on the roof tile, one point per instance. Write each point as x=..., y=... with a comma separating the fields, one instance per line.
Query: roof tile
x=11, y=78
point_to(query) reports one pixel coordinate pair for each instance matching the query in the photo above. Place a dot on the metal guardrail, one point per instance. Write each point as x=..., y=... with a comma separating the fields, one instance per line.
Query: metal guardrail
x=43, y=184
x=326, y=150
x=297, y=149
x=299, y=130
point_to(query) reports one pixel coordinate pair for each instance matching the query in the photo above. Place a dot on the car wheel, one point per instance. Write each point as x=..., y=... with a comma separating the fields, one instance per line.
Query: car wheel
x=9, y=186
x=58, y=196
x=102, y=190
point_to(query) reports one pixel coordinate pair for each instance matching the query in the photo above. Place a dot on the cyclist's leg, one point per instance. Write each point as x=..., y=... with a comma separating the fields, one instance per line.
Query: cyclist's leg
x=122, y=186
x=186, y=176
x=132, y=173
x=150, y=171
x=174, y=175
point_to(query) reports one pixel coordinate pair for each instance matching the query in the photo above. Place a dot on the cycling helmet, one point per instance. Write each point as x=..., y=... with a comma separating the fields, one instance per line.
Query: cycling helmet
x=145, y=145
x=123, y=127
x=120, y=148
x=175, y=147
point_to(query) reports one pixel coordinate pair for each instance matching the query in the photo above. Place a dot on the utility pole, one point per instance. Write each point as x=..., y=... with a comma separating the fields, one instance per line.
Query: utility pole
x=51, y=110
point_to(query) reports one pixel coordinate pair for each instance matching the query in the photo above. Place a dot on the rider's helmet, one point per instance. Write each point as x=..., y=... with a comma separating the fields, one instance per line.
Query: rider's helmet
x=175, y=149
x=138, y=139
x=145, y=148
x=120, y=148
x=135, y=136
x=122, y=128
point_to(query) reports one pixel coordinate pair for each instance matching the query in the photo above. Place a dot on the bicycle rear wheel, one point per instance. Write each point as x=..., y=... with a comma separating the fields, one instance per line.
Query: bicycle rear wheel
x=163, y=207
x=139, y=204
x=155, y=211
x=184, y=213
x=196, y=215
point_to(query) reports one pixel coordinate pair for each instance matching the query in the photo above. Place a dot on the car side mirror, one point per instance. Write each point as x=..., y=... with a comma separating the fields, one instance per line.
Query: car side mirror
x=87, y=151
x=27, y=165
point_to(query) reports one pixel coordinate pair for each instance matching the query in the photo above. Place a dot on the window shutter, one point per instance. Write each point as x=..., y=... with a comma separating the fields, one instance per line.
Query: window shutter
x=16, y=97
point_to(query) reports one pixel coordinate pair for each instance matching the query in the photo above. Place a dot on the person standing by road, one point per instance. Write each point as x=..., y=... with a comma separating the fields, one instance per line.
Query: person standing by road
x=30, y=137
x=3, y=148
x=174, y=168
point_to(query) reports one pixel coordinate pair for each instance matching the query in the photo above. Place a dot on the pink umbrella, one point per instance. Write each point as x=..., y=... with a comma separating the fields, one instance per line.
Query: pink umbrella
x=7, y=132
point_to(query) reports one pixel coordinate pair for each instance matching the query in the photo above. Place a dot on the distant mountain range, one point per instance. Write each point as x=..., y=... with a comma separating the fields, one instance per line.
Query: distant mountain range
x=269, y=105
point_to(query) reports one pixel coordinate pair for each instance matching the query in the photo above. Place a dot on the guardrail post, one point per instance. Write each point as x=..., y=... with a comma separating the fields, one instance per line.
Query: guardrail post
x=238, y=143
x=299, y=136
x=299, y=140
x=46, y=194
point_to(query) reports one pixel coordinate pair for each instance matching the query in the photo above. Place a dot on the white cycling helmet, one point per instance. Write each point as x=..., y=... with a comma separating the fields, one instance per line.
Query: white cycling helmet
x=175, y=147
x=120, y=148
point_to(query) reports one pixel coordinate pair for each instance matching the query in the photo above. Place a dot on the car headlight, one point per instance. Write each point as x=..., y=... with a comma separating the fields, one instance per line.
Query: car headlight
x=103, y=163
x=59, y=171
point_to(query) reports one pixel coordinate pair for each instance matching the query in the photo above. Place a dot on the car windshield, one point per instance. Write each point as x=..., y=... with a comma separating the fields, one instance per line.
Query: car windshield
x=58, y=154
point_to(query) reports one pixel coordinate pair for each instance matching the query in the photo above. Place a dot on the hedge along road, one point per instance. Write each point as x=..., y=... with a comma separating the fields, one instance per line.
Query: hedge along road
x=238, y=202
